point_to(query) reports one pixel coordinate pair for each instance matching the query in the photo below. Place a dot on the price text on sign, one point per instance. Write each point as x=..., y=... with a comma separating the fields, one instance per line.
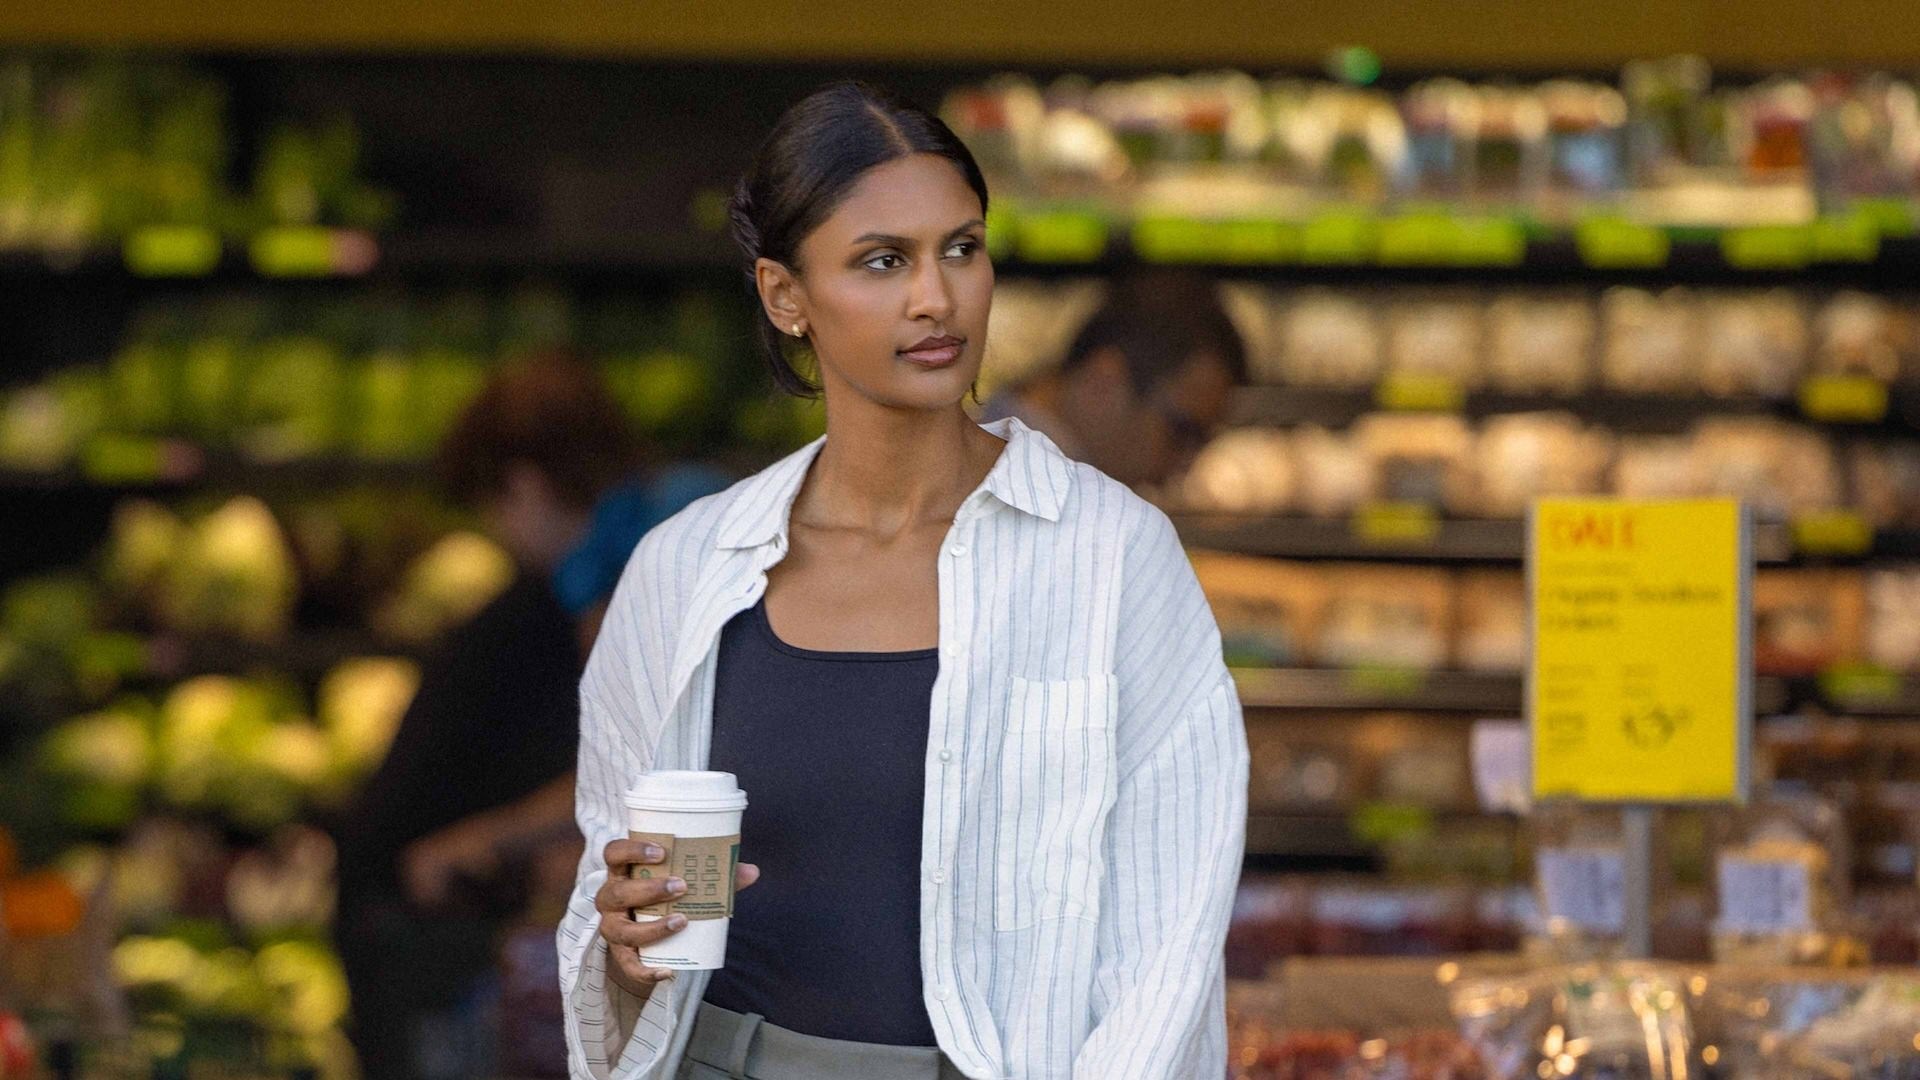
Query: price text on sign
x=1639, y=670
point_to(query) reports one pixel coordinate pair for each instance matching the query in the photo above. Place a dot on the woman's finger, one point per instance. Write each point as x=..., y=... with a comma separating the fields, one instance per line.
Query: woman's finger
x=627, y=959
x=623, y=852
x=617, y=894
x=745, y=874
x=620, y=930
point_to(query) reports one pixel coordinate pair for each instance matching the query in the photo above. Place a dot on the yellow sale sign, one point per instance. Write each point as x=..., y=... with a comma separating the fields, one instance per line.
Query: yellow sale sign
x=1639, y=685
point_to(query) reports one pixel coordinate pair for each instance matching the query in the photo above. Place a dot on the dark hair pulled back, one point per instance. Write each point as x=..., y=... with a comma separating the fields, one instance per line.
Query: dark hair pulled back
x=817, y=151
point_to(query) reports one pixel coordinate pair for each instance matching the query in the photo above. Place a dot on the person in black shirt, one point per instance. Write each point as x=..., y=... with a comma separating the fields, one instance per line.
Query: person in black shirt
x=482, y=764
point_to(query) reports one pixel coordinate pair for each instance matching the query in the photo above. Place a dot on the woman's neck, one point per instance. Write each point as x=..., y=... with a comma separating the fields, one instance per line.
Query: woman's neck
x=885, y=471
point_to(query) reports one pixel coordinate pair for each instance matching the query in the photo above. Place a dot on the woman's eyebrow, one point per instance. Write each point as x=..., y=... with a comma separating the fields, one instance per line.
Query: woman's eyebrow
x=901, y=241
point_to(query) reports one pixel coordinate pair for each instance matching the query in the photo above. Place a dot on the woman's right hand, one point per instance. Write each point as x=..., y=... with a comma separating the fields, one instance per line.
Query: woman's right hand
x=620, y=894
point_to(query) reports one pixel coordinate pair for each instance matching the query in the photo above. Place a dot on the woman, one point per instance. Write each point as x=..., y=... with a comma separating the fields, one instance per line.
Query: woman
x=995, y=764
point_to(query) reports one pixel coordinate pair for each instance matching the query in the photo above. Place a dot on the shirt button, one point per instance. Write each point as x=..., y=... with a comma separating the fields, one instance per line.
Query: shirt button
x=939, y=876
x=946, y=755
x=957, y=550
x=941, y=993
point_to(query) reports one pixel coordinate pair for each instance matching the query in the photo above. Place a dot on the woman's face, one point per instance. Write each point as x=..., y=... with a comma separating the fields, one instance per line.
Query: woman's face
x=895, y=286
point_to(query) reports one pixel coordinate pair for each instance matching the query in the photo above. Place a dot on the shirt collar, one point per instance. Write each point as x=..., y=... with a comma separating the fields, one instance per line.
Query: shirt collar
x=1031, y=475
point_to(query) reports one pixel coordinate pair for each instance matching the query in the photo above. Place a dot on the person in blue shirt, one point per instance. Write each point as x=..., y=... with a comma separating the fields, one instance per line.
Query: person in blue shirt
x=480, y=772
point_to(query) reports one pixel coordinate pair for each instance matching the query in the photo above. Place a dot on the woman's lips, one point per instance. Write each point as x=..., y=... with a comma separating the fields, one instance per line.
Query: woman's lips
x=934, y=353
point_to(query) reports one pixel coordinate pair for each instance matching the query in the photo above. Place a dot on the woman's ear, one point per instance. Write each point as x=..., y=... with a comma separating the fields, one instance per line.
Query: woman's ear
x=781, y=296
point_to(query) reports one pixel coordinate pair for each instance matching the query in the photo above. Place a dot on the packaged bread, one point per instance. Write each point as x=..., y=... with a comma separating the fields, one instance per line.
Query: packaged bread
x=1493, y=621
x=1893, y=618
x=1327, y=338
x=1654, y=467
x=1859, y=333
x=1244, y=471
x=1541, y=343
x=1523, y=456
x=1886, y=482
x=1334, y=475
x=1418, y=459
x=1781, y=880
x=1650, y=343
x=1756, y=343
x=1386, y=616
x=1780, y=469
x=1438, y=336
x=1805, y=621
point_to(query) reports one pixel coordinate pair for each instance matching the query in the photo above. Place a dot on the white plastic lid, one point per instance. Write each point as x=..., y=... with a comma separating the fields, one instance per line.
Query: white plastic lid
x=686, y=790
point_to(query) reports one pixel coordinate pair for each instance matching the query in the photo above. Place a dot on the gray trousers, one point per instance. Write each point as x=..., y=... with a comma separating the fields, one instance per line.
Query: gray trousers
x=727, y=1045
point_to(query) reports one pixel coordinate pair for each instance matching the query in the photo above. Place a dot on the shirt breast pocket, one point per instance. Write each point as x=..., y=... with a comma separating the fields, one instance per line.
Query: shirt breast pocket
x=1056, y=787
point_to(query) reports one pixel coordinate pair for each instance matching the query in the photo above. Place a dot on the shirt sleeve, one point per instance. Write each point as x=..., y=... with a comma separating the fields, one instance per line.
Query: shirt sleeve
x=611, y=1033
x=1176, y=836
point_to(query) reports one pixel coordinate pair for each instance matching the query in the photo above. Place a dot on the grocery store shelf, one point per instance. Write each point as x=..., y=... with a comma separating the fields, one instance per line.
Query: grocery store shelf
x=1094, y=243
x=195, y=469
x=1308, y=840
x=1415, y=539
x=1287, y=406
x=1353, y=246
x=1365, y=689
x=1466, y=693
x=1412, y=534
x=304, y=654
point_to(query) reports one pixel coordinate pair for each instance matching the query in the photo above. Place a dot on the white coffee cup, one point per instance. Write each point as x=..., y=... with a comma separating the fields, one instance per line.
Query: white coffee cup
x=695, y=816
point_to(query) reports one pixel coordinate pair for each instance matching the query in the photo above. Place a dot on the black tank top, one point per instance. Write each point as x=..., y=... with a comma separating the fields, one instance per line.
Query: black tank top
x=830, y=748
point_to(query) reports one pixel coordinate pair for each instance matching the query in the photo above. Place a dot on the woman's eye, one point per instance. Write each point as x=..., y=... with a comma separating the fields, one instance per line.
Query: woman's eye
x=885, y=261
x=962, y=248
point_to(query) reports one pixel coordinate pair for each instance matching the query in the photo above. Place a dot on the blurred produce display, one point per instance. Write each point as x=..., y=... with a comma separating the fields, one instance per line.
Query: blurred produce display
x=379, y=376
x=104, y=150
x=1229, y=168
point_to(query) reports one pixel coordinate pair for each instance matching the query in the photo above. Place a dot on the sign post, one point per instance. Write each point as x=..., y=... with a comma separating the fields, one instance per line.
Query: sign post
x=1639, y=687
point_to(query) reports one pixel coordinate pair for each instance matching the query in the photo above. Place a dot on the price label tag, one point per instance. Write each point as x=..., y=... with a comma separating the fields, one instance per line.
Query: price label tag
x=1255, y=242
x=1585, y=888
x=1639, y=685
x=1489, y=241
x=1767, y=247
x=1411, y=391
x=1338, y=237
x=1853, y=685
x=172, y=251
x=1844, y=399
x=1424, y=238
x=1063, y=236
x=1832, y=532
x=1176, y=239
x=1397, y=523
x=1893, y=216
x=1389, y=682
x=1616, y=243
x=1386, y=823
x=1851, y=237
x=298, y=251
x=1762, y=897
x=1502, y=765
x=134, y=459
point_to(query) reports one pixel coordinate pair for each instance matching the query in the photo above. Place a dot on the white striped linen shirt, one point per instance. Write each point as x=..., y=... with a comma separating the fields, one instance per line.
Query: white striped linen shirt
x=1086, y=774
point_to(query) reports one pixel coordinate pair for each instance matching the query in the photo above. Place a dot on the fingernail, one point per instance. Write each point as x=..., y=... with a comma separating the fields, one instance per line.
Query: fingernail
x=653, y=852
x=662, y=975
x=676, y=922
x=676, y=886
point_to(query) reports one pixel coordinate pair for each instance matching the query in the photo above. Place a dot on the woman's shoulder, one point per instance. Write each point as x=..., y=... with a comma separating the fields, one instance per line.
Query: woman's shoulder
x=1099, y=500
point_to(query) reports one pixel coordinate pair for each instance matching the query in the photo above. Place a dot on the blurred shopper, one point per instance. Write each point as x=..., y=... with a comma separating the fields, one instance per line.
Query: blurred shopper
x=994, y=761
x=1144, y=384
x=480, y=774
